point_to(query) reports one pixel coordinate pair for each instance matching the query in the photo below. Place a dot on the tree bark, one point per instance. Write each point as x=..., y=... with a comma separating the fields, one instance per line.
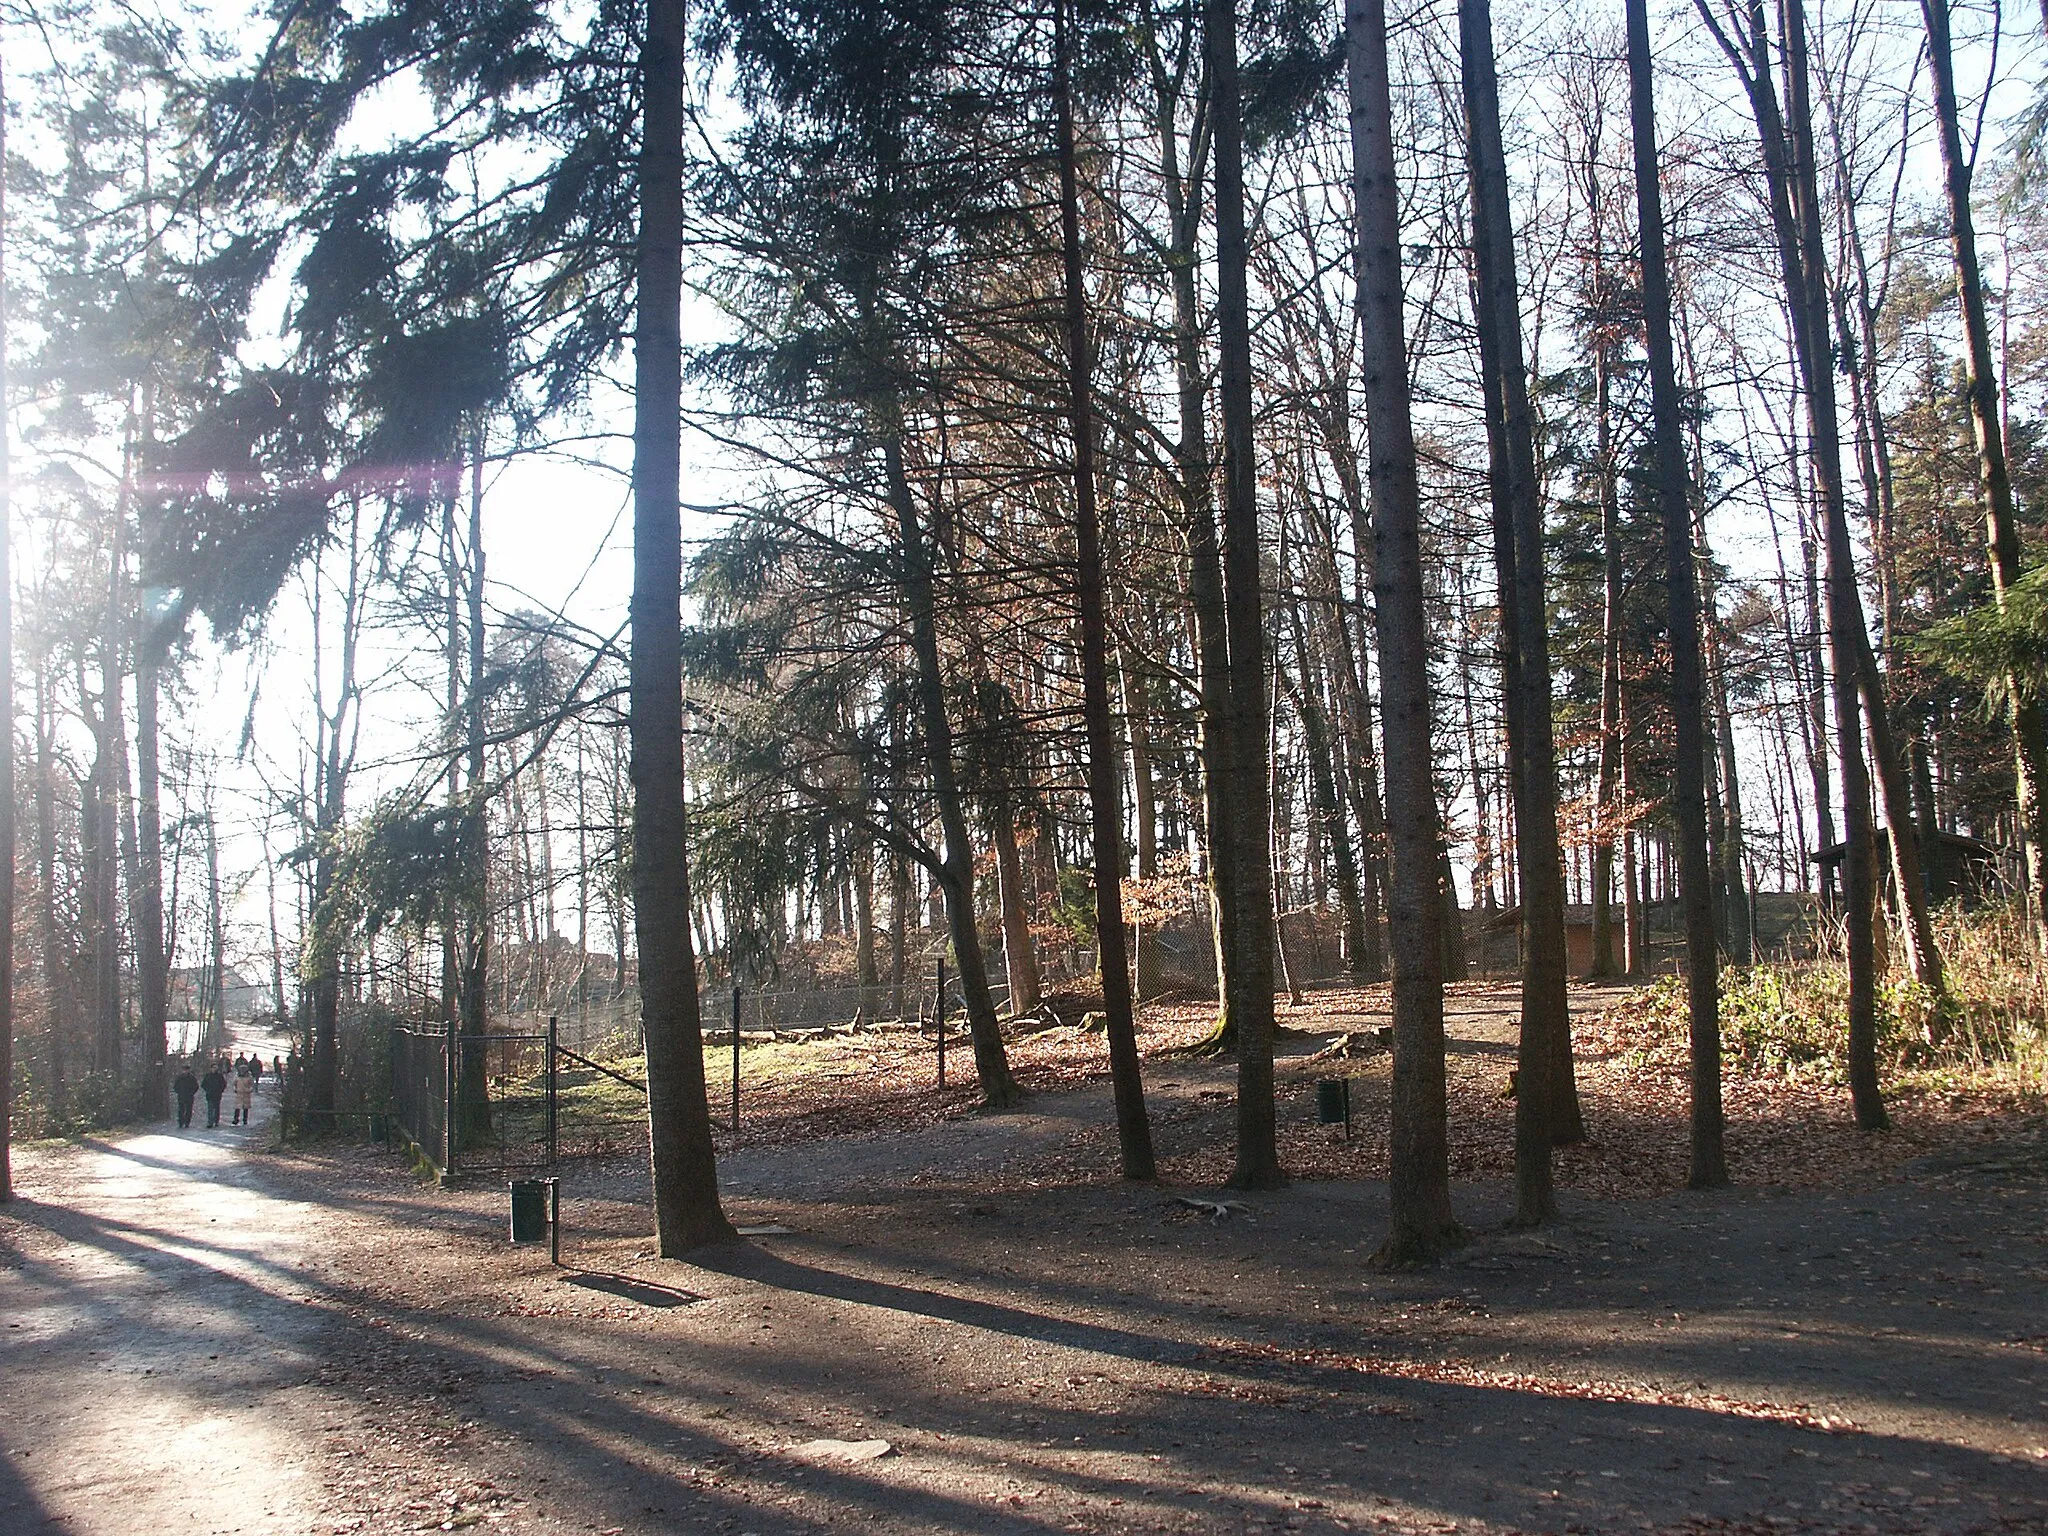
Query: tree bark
x=152, y=989
x=110, y=754
x=1733, y=875
x=1787, y=143
x=687, y=1211
x=1419, y=1183
x=7, y=806
x=1360, y=778
x=472, y=1088
x=1248, y=984
x=1105, y=798
x=1306, y=696
x=216, y=937
x=1902, y=836
x=1674, y=494
x=1205, y=562
x=1020, y=959
x=865, y=970
x=1145, y=812
x=1546, y=1102
x=1608, y=773
x=899, y=933
x=55, y=973
x=2001, y=529
x=954, y=873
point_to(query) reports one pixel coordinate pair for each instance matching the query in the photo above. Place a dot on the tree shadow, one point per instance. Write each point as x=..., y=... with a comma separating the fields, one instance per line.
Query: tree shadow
x=630, y=1288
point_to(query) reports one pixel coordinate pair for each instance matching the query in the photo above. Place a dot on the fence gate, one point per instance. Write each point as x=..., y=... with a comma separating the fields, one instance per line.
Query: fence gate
x=511, y=1125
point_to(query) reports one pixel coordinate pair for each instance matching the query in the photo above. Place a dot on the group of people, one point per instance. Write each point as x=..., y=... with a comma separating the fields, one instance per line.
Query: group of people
x=244, y=1074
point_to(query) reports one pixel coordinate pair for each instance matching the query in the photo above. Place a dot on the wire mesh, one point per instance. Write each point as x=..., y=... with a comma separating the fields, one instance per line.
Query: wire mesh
x=419, y=1089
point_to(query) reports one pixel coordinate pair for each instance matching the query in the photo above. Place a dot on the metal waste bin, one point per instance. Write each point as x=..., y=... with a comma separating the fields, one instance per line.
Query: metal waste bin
x=1333, y=1102
x=529, y=1210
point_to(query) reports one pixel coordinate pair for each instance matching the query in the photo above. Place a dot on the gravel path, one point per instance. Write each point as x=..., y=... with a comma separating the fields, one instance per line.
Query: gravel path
x=156, y=1339
x=1039, y=1355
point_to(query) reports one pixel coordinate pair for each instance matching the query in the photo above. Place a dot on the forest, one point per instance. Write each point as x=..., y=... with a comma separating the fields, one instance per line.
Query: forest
x=1103, y=503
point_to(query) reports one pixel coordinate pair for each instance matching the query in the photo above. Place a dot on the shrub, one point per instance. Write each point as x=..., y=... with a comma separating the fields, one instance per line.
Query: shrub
x=1788, y=1019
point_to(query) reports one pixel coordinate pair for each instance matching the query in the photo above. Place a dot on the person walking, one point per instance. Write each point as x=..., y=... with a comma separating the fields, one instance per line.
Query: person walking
x=213, y=1085
x=256, y=1069
x=245, y=1094
x=186, y=1087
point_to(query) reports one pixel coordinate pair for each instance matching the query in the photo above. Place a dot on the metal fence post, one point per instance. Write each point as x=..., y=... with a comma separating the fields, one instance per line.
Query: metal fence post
x=448, y=1055
x=941, y=1009
x=554, y=1096
x=735, y=1062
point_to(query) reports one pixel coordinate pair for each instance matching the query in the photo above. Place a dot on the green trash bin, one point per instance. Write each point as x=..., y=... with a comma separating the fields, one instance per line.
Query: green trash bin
x=1333, y=1102
x=529, y=1210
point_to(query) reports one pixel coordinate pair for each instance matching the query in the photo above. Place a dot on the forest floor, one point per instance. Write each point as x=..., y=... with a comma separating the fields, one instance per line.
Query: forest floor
x=1851, y=1339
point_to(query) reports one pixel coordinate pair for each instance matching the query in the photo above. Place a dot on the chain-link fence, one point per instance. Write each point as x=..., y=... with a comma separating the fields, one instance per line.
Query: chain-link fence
x=419, y=1090
x=609, y=1030
x=511, y=1101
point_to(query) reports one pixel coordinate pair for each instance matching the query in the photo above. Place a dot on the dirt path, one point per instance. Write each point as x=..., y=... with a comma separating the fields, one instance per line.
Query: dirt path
x=154, y=1330
x=1040, y=1356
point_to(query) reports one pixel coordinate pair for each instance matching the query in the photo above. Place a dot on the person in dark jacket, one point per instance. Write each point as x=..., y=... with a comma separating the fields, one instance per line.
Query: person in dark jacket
x=213, y=1085
x=186, y=1087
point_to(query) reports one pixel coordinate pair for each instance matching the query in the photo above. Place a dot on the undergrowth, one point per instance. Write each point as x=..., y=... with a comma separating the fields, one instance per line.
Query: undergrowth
x=1788, y=1018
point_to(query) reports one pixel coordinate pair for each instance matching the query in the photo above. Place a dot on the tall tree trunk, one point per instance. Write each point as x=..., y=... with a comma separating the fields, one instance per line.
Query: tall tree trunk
x=472, y=1087
x=7, y=807
x=55, y=973
x=279, y=1004
x=1280, y=836
x=1632, y=956
x=1456, y=962
x=1674, y=494
x=1546, y=1105
x=1608, y=773
x=1419, y=1181
x=216, y=938
x=1814, y=717
x=899, y=932
x=1888, y=750
x=1193, y=472
x=334, y=760
x=1733, y=877
x=1020, y=959
x=1902, y=835
x=2001, y=529
x=1105, y=798
x=954, y=872
x=1306, y=697
x=1359, y=780
x=1787, y=143
x=453, y=903
x=687, y=1212
x=1145, y=812
x=865, y=971
x=106, y=865
x=152, y=964
x=1248, y=984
